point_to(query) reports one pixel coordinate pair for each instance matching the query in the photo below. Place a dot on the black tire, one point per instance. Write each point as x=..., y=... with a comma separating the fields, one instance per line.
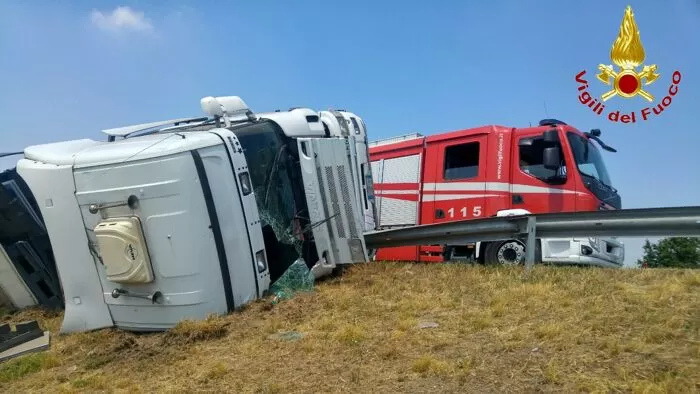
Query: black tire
x=511, y=252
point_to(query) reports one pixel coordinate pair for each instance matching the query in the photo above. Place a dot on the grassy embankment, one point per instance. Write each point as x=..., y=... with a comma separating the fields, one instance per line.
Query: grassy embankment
x=373, y=330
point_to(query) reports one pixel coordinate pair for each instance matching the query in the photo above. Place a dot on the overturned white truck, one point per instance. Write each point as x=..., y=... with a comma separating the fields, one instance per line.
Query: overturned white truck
x=183, y=218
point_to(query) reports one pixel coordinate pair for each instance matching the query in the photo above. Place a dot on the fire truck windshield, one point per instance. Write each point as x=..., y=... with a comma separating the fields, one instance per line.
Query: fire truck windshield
x=588, y=158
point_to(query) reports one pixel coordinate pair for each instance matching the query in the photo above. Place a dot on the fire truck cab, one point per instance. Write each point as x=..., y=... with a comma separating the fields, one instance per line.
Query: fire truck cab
x=494, y=171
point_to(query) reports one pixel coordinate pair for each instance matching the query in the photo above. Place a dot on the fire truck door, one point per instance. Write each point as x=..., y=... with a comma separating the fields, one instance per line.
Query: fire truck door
x=534, y=187
x=458, y=189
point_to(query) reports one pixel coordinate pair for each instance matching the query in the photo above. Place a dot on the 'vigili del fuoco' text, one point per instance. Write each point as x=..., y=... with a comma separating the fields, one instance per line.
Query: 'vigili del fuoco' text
x=598, y=107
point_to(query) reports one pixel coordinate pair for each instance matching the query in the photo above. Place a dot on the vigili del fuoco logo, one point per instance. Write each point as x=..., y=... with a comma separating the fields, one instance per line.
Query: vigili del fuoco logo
x=627, y=80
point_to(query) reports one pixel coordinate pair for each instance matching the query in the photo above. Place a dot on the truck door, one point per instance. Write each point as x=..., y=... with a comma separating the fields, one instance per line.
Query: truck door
x=534, y=187
x=457, y=190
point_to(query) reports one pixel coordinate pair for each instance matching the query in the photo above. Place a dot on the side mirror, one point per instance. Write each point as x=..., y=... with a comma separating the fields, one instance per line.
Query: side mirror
x=551, y=136
x=551, y=158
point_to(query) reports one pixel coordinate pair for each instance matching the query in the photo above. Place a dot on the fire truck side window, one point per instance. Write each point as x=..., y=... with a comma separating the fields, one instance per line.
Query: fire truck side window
x=462, y=161
x=531, y=160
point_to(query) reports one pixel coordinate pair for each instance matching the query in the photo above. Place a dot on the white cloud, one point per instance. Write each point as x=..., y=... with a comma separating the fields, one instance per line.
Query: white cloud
x=122, y=18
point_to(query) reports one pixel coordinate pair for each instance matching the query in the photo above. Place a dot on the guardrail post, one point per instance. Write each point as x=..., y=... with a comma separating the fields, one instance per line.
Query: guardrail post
x=531, y=242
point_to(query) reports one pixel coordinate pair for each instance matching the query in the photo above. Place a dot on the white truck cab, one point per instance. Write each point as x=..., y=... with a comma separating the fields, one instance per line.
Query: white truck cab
x=183, y=218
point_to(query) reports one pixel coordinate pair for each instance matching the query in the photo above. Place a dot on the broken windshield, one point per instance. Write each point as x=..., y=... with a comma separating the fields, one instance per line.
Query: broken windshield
x=272, y=171
x=588, y=158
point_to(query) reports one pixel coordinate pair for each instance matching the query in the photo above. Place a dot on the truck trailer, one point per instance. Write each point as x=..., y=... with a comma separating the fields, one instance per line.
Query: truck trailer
x=183, y=218
x=494, y=171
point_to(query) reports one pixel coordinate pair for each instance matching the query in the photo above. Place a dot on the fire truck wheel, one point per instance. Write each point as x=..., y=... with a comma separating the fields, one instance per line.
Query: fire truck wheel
x=509, y=252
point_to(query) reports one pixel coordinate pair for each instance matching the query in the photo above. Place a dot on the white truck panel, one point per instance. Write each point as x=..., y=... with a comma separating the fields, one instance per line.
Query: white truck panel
x=178, y=233
x=88, y=153
x=249, y=205
x=59, y=153
x=338, y=225
x=240, y=257
x=85, y=308
x=295, y=123
x=607, y=252
x=344, y=124
x=143, y=147
x=188, y=263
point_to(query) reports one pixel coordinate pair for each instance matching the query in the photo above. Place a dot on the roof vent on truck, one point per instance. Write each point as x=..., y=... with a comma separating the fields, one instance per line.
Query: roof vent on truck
x=551, y=122
x=225, y=107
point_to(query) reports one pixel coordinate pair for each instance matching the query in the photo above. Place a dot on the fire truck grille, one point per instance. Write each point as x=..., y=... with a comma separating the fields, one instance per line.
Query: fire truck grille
x=334, y=202
x=346, y=200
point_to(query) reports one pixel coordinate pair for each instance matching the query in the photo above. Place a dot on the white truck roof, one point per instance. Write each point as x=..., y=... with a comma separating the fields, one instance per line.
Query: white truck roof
x=300, y=122
x=89, y=153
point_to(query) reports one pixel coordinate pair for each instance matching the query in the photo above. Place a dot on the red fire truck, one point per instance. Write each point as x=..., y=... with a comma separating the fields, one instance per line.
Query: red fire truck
x=494, y=171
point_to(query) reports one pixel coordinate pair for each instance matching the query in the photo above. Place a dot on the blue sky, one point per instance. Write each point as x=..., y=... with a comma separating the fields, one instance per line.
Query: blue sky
x=68, y=70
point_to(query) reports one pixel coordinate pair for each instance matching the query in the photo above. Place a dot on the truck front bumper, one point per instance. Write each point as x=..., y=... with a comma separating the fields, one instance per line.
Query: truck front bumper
x=601, y=252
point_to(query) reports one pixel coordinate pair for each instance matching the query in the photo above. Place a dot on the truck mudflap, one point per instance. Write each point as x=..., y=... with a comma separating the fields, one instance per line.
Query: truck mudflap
x=335, y=213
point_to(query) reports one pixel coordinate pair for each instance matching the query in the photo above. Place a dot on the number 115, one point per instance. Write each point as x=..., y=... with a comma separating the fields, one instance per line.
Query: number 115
x=476, y=211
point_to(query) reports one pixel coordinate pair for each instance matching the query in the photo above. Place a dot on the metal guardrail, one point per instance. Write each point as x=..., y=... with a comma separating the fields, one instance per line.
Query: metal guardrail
x=645, y=222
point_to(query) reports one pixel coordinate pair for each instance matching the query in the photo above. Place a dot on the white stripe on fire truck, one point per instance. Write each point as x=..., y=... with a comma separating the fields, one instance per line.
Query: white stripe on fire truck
x=380, y=192
x=449, y=197
x=464, y=186
x=494, y=187
x=481, y=186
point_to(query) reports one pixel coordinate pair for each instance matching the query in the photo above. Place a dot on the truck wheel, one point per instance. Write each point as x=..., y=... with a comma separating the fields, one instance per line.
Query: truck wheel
x=509, y=252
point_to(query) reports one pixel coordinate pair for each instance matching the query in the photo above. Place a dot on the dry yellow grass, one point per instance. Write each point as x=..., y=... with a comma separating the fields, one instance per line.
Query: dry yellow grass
x=560, y=330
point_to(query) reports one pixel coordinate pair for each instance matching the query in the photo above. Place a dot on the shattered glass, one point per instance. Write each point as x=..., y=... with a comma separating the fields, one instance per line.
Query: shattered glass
x=297, y=278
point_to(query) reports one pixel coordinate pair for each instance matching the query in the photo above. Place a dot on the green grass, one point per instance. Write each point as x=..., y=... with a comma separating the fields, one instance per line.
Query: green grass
x=17, y=368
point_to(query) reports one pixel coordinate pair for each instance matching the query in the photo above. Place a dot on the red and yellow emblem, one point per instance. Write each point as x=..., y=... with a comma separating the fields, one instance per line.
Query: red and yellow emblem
x=628, y=54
